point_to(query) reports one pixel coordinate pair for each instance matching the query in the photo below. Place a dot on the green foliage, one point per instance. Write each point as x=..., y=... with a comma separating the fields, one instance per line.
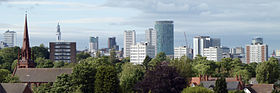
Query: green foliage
x=126, y=59
x=43, y=63
x=106, y=80
x=63, y=84
x=82, y=55
x=112, y=57
x=129, y=76
x=161, y=79
x=84, y=76
x=146, y=62
x=98, y=54
x=43, y=88
x=183, y=67
x=236, y=91
x=202, y=69
x=196, y=90
x=6, y=77
x=161, y=57
x=40, y=51
x=7, y=57
x=221, y=86
x=59, y=64
x=268, y=72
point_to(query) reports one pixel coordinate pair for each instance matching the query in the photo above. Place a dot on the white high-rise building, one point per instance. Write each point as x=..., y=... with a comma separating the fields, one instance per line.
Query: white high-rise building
x=58, y=33
x=257, y=51
x=213, y=53
x=10, y=38
x=93, y=44
x=182, y=51
x=201, y=42
x=129, y=39
x=151, y=36
x=139, y=52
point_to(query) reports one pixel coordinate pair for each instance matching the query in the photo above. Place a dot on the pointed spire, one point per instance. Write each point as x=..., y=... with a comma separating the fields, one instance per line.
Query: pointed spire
x=25, y=61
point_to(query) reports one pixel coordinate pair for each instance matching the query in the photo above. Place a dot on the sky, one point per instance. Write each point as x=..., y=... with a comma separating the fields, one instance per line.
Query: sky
x=236, y=22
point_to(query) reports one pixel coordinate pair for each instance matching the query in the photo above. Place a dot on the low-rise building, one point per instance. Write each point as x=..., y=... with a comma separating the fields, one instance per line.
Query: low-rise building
x=139, y=52
x=213, y=53
x=182, y=51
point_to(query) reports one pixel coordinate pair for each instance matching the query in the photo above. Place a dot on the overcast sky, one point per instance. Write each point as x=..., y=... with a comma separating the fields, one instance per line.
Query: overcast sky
x=236, y=22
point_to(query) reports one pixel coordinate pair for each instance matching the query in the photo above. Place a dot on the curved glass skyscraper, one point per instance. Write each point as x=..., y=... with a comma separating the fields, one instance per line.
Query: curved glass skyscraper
x=165, y=37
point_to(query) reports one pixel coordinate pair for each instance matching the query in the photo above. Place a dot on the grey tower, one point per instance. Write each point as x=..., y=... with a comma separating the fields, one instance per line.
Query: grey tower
x=58, y=33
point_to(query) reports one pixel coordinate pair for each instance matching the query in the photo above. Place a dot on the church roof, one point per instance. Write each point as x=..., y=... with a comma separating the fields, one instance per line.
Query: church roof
x=40, y=74
x=12, y=87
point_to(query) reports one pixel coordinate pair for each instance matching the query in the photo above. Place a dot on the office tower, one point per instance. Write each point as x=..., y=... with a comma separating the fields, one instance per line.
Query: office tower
x=215, y=42
x=58, y=33
x=10, y=38
x=93, y=44
x=237, y=50
x=112, y=43
x=165, y=37
x=151, y=36
x=63, y=51
x=182, y=51
x=129, y=39
x=139, y=51
x=257, y=51
x=213, y=53
x=201, y=42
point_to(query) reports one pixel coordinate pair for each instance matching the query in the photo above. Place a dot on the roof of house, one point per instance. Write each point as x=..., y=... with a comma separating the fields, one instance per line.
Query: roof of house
x=233, y=85
x=260, y=88
x=40, y=74
x=12, y=87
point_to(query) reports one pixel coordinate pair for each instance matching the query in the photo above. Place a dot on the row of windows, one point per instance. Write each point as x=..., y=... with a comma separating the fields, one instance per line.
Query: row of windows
x=62, y=50
x=62, y=57
x=62, y=47
x=62, y=54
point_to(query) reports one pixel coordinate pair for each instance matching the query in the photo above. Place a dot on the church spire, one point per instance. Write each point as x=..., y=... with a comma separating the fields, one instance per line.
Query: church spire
x=58, y=33
x=25, y=60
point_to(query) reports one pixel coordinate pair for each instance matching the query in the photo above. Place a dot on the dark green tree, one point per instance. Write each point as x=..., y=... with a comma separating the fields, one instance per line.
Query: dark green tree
x=221, y=85
x=196, y=90
x=98, y=54
x=129, y=76
x=162, y=79
x=183, y=67
x=43, y=63
x=112, y=57
x=84, y=76
x=7, y=57
x=268, y=72
x=64, y=84
x=126, y=59
x=43, y=88
x=106, y=80
x=146, y=62
x=40, y=51
x=6, y=77
x=161, y=57
x=82, y=55
x=59, y=64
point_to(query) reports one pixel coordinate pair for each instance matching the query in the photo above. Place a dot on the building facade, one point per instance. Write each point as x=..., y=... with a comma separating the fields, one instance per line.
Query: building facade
x=63, y=51
x=151, y=36
x=93, y=44
x=182, y=51
x=112, y=43
x=213, y=53
x=129, y=39
x=201, y=42
x=10, y=38
x=139, y=52
x=165, y=37
x=257, y=51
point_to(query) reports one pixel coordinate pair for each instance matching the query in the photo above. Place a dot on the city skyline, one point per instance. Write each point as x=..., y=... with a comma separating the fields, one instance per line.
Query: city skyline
x=194, y=18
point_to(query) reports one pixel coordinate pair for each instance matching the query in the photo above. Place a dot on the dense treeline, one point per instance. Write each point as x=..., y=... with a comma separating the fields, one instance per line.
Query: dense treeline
x=107, y=74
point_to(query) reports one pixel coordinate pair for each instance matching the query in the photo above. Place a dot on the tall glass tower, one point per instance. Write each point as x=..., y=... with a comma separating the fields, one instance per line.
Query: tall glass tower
x=165, y=37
